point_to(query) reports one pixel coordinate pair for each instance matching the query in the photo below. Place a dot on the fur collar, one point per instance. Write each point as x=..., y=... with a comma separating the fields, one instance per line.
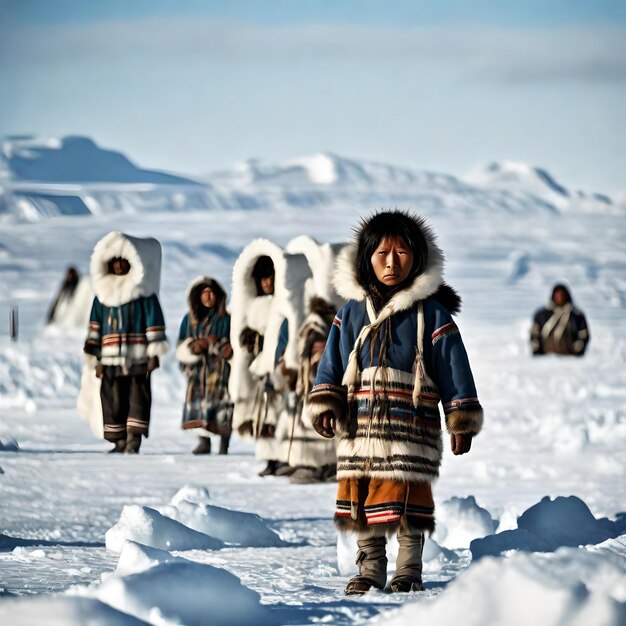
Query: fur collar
x=424, y=285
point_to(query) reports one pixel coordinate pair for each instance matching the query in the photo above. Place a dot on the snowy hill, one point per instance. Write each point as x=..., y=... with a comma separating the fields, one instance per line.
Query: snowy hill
x=512, y=176
x=73, y=160
x=325, y=179
x=41, y=178
x=44, y=177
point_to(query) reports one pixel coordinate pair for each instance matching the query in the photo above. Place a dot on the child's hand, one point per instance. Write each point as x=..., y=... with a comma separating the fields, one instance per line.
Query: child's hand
x=460, y=443
x=326, y=425
x=99, y=370
x=200, y=345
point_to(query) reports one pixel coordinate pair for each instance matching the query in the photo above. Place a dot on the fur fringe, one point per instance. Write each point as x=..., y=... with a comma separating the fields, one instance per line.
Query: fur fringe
x=184, y=355
x=157, y=348
x=326, y=398
x=359, y=526
x=462, y=422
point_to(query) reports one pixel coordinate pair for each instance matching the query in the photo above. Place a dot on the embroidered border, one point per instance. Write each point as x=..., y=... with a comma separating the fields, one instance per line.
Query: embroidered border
x=444, y=331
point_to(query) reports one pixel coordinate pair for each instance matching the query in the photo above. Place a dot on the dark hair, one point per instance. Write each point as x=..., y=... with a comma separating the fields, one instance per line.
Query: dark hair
x=263, y=268
x=389, y=224
x=558, y=286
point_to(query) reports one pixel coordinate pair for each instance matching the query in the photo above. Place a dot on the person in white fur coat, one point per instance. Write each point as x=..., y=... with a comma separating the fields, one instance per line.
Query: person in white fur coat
x=255, y=413
x=255, y=385
x=126, y=334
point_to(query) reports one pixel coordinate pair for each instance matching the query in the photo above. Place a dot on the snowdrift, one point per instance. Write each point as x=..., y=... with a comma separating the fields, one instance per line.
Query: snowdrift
x=187, y=593
x=548, y=525
x=147, y=526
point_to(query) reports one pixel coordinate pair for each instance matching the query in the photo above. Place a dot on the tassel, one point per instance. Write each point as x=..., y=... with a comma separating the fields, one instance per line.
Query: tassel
x=354, y=498
x=420, y=368
x=352, y=369
x=420, y=374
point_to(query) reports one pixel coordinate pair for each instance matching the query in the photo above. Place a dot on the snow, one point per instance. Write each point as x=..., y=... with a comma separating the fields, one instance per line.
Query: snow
x=526, y=589
x=147, y=526
x=232, y=527
x=63, y=610
x=554, y=426
x=183, y=592
x=135, y=558
x=77, y=177
x=549, y=525
x=459, y=520
x=191, y=493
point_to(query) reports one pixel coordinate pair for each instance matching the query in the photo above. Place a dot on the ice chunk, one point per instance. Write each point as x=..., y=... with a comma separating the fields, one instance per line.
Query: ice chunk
x=135, y=558
x=147, y=526
x=235, y=527
x=185, y=593
x=192, y=493
x=459, y=520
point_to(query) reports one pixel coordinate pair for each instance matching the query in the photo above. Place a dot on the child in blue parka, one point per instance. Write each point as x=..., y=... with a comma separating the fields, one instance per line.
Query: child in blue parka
x=393, y=354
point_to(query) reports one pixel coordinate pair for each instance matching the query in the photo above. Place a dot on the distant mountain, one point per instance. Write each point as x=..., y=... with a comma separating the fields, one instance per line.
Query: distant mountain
x=326, y=170
x=329, y=179
x=45, y=177
x=73, y=160
x=512, y=176
x=73, y=176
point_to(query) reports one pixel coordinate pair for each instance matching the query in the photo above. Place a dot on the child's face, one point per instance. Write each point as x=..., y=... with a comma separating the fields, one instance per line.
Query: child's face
x=208, y=298
x=267, y=285
x=120, y=266
x=560, y=297
x=392, y=261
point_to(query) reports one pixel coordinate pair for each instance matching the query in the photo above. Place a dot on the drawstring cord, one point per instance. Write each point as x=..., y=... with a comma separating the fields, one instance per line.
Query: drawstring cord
x=420, y=368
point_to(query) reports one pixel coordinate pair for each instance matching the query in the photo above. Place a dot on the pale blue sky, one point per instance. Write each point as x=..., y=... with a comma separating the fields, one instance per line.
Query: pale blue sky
x=194, y=86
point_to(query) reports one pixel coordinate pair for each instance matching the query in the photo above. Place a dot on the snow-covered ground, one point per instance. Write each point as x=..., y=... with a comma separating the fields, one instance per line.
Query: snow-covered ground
x=104, y=535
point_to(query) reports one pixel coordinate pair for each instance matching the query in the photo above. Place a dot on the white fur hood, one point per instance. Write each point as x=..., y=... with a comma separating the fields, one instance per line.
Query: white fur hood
x=143, y=279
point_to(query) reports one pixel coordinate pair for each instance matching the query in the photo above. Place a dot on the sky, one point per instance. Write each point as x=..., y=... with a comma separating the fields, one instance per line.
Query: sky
x=196, y=86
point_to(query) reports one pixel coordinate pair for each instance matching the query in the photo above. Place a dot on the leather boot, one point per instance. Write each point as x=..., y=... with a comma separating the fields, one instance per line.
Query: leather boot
x=408, y=574
x=270, y=469
x=119, y=446
x=372, y=562
x=204, y=447
x=224, y=441
x=133, y=443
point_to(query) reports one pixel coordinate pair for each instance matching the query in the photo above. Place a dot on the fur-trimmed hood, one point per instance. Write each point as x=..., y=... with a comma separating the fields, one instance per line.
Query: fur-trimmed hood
x=144, y=277
x=321, y=259
x=291, y=273
x=428, y=283
x=195, y=288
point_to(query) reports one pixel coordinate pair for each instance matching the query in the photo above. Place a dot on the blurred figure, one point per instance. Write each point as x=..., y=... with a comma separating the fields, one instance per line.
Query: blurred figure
x=255, y=411
x=312, y=457
x=560, y=327
x=71, y=307
x=203, y=353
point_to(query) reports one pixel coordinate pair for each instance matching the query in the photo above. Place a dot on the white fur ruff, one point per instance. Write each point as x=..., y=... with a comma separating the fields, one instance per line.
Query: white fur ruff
x=321, y=259
x=143, y=279
x=291, y=273
x=184, y=354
